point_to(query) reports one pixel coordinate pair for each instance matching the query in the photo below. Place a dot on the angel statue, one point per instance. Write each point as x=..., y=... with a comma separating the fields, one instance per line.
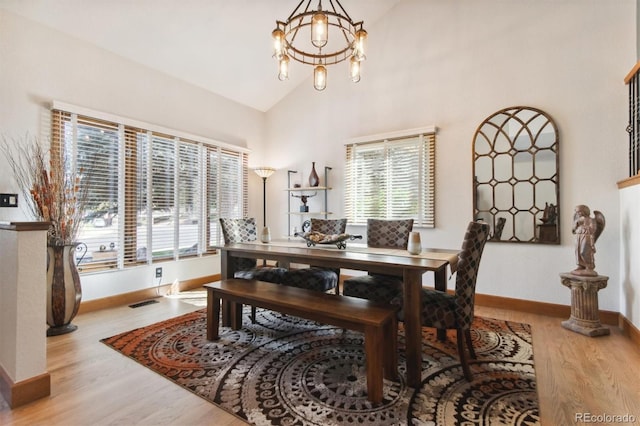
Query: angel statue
x=587, y=229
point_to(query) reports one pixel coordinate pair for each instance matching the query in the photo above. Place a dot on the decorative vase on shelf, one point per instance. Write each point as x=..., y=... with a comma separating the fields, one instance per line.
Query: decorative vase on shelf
x=64, y=291
x=414, y=245
x=314, y=180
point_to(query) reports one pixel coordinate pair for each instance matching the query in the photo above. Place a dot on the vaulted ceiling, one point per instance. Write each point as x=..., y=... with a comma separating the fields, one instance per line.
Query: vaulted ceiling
x=221, y=46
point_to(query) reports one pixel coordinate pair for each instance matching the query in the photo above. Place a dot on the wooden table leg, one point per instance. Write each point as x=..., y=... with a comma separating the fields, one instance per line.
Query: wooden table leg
x=213, y=316
x=226, y=271
x=236, y=315
x=412, y=280
x=441, y=285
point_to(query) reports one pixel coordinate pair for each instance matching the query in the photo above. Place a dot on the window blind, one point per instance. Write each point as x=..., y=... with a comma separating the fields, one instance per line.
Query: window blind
x=153, y=195
x=163, y=189
x=135, y=196
x=189, y=213
x=391, y=178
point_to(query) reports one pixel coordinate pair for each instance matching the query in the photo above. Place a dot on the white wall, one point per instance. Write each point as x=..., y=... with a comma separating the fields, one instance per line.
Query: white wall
x=452, y=64
x=38, y=65
x=629, y=253
x=449, y=64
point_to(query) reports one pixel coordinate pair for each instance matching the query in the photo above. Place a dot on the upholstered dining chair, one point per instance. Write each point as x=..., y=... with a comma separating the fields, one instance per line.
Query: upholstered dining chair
x=376, y=287
x=243, y=231
x=315, y=277
x=456, y=311
x=327, y=226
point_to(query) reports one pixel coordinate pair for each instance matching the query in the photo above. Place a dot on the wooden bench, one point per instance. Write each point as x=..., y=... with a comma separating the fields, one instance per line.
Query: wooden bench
x=377, y=322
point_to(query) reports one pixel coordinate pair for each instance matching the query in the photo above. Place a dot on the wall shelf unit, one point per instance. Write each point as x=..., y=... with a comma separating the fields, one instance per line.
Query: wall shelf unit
x=310, y=191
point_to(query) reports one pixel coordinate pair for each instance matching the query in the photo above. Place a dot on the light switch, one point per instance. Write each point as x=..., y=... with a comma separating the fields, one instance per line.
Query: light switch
x=8, y=200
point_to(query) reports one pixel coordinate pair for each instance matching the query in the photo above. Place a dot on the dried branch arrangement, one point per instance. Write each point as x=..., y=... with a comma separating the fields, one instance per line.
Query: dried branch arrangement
x=54, y=192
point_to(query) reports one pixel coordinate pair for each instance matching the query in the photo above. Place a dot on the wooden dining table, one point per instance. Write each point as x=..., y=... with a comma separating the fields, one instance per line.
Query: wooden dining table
x=441, y=262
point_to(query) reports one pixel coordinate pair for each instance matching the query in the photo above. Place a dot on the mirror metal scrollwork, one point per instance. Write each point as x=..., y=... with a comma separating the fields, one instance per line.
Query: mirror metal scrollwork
x=516, y=176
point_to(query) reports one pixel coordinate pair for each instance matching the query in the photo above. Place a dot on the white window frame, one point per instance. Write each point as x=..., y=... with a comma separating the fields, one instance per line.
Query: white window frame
x=208, y=227
x=425, y=141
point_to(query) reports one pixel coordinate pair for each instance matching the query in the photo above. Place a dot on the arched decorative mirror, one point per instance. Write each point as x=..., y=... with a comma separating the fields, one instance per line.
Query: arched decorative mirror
x=516, y=177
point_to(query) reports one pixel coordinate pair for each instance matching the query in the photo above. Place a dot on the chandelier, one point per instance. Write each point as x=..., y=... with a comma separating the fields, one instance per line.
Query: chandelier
x=333, y=38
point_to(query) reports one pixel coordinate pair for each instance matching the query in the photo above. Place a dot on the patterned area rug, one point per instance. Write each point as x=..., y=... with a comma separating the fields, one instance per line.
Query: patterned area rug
x=286, y=370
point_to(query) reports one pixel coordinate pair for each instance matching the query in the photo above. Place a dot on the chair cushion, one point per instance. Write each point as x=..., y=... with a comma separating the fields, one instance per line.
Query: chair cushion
x=311, y=278
x=241, y=263
x=438, y=309
x=272, y=275
x=378, y=288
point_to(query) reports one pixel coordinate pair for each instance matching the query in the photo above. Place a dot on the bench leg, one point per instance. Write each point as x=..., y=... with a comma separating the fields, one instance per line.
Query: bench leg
x=391, y=352
x=374, y=352
x=213, y=315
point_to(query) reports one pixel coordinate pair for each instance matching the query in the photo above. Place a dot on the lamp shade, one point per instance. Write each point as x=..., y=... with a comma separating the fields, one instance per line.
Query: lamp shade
x=264, y=172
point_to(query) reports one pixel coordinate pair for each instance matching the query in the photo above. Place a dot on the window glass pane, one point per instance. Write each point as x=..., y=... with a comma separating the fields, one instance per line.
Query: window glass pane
x=188, y=199
x=213, y=213
x=137, y=200
x=163, y=166
x=96, y=155
x=148, y=191
x=371, y=184
x=231, y=185
x=404, y=174
x=391, y=179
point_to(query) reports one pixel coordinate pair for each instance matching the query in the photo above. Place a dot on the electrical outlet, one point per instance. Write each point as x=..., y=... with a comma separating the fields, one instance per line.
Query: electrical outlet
x=158, y=272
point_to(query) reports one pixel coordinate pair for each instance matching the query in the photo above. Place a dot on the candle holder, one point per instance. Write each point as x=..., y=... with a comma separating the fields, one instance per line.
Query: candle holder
x=414, y=246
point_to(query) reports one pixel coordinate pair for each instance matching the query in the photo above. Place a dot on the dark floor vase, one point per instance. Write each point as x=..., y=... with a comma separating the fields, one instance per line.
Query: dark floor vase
x=63, y=289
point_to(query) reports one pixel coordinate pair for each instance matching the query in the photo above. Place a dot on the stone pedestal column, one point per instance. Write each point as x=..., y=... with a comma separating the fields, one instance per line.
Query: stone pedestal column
x=584, y=304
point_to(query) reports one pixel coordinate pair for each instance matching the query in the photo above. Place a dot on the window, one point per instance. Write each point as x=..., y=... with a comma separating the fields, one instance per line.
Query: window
x=154, y=194
x=391, y=177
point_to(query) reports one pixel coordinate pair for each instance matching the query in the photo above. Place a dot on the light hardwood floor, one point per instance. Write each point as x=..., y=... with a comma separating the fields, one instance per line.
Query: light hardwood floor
x=94, y=385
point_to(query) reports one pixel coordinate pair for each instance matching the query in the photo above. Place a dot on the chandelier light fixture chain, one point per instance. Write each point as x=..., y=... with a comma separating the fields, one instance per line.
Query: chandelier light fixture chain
x=333, y=38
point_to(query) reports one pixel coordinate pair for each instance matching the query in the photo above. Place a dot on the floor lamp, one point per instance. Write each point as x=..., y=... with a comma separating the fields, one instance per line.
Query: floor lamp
x=264, y=173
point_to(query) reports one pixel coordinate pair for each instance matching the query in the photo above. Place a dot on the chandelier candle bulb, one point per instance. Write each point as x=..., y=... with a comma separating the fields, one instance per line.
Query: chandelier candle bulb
x=319, y=29
x=284, y=68
x=354, y=69
x=358, y=51
x=278, y=48
x=320, y=78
